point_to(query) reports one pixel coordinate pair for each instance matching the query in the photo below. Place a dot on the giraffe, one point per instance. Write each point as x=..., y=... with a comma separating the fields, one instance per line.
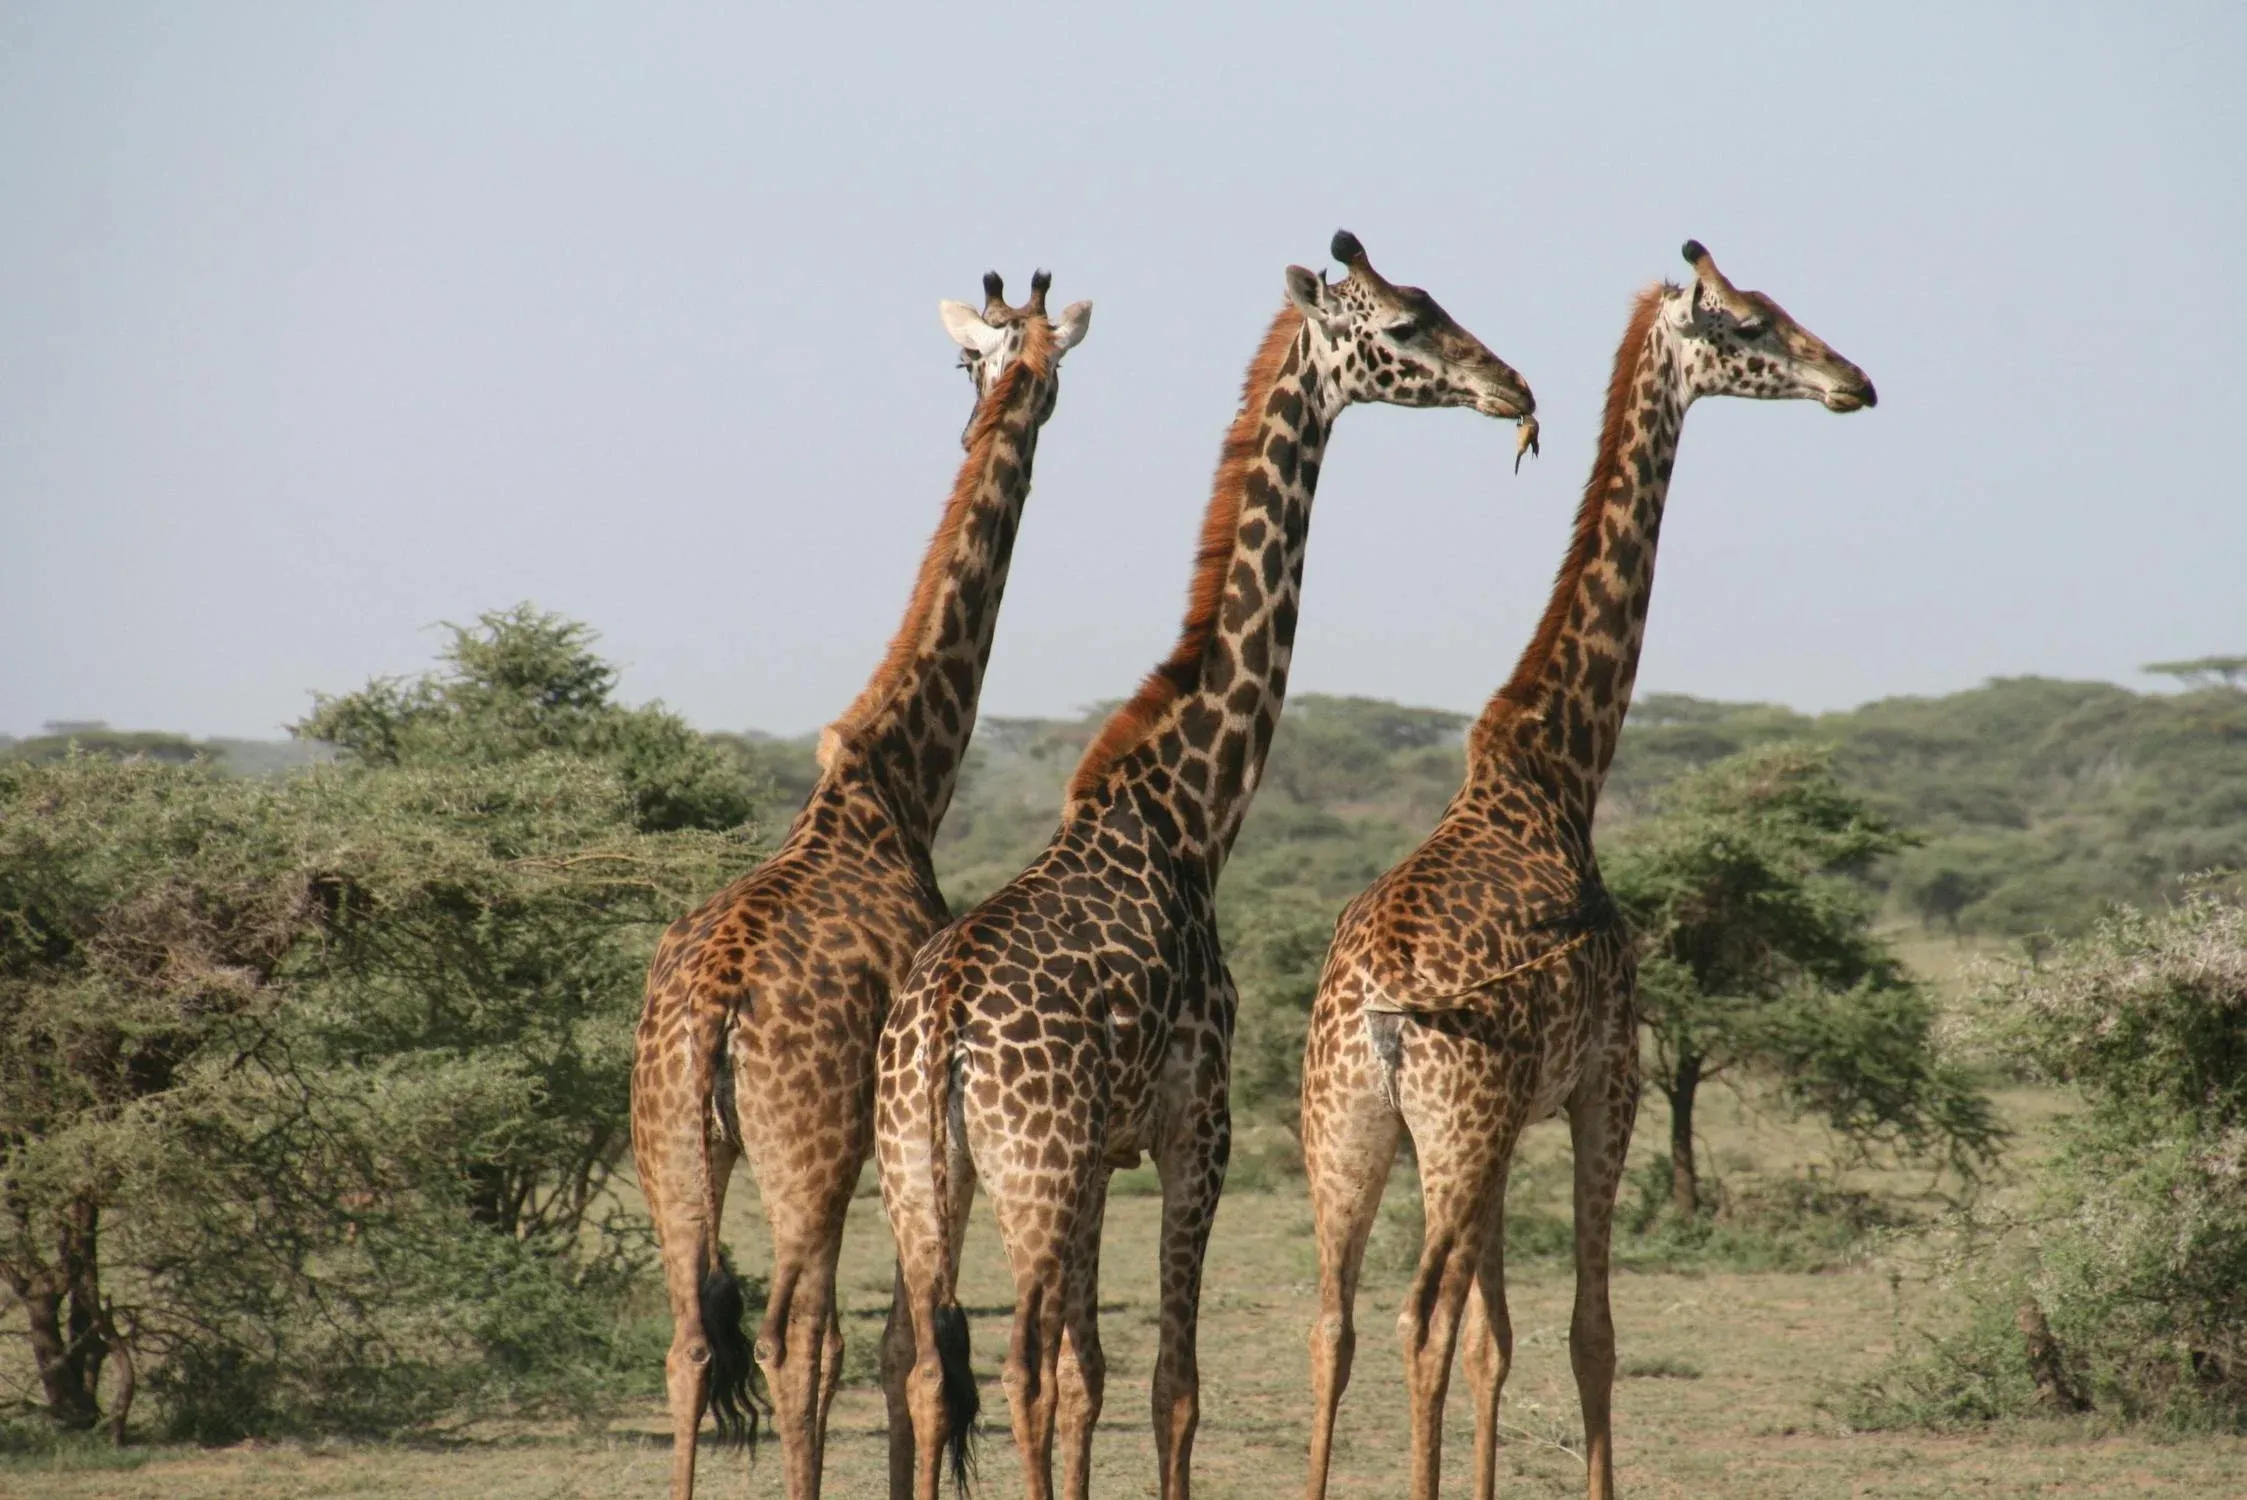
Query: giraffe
x=1485, y=982
x=763, y=1004
x=1082, y=1015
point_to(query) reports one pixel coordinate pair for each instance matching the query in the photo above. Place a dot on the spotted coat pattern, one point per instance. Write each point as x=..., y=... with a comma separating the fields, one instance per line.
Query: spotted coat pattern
x=1486, y=981
x=763, y=1005
x=1082, y=1015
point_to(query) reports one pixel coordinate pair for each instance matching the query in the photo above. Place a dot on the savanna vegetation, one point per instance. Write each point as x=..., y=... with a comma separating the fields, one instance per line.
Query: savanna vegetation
x=313, y=1056
x=312, y=1085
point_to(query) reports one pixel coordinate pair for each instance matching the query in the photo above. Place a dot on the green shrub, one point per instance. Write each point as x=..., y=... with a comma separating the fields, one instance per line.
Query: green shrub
x=2124, y=1284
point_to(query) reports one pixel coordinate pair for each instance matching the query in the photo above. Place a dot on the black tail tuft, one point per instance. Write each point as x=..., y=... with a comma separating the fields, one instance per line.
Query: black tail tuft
x=737, y=1390
x=962, y=1402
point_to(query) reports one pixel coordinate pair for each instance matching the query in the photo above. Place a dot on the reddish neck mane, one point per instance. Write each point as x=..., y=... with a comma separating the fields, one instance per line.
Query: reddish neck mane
x=1523, y=690
x=1178, y=674
x=1034, y=362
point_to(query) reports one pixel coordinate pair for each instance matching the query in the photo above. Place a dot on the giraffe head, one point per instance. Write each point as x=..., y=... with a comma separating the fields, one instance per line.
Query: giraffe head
x=992, y=339
x=1383, y=342
x=1739, y=343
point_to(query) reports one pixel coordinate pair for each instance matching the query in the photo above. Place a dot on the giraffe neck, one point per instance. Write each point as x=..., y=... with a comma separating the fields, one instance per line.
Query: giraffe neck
x=1572, y=686
x=911, y=724
x=1196, y=734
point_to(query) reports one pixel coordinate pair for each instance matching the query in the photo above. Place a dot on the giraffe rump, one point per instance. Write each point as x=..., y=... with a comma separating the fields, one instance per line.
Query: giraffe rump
x=914, y=632
x=1129, y=726
x=1519, y=694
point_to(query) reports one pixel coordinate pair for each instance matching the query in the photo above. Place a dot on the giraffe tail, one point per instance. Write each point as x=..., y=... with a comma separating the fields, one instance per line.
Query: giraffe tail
x=738, y=1399
x=963, y=1403
x=737, y=1395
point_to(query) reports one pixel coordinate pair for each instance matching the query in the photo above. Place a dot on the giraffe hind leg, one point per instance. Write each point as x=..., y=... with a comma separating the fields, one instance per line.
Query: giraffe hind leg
x=1600, y=1115
x=703, y=1294
x=1350, y=1136
x=1084, y=1367
x=1038, y=1222
x=1466, y=1120
x=927, y=1373
x=1191, y=1160
x=1489, y=1343
x=799, y=1346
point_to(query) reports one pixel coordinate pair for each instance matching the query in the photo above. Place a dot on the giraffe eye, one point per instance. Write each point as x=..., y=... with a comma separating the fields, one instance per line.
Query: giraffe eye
x=1753, y=330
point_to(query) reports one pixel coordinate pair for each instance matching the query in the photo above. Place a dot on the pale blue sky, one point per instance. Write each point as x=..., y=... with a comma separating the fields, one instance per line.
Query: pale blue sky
x=319, y=325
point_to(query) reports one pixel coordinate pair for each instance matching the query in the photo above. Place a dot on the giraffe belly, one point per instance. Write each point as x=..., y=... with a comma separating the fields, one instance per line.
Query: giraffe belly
x=1134, y=1090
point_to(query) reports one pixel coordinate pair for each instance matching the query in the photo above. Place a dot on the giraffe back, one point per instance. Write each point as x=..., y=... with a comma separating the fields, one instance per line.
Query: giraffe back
x=1497, y=928
x=1092, y=962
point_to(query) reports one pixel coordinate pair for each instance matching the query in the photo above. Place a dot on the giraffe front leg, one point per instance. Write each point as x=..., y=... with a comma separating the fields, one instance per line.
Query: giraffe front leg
x=1600, y=1115
x=897, y=1365
x=1191, y=1161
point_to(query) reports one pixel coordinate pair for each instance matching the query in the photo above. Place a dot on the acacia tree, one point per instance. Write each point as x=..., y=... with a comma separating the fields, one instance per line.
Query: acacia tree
x=541, y=979
x=144, y=910
x=2204, y=671
x=277, y=1056
x=1757, y=953
x=520, y=682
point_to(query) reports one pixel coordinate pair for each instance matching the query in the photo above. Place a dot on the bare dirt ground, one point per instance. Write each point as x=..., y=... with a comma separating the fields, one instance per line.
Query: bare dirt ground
x=1726, y=1380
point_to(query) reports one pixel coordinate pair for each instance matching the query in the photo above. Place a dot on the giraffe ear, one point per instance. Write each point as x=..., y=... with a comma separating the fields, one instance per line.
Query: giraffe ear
x=1070, y=328
x=967, y=328
x=1308, y=293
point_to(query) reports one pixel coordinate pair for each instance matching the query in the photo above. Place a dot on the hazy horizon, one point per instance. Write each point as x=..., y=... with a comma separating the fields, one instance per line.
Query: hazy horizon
x=318, y=327
x=1296, y=697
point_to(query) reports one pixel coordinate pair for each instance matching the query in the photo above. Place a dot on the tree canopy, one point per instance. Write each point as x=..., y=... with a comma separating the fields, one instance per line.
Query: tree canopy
x=1757, y=952
x=2204, y=671
x=520, y=681
x=312, y=1085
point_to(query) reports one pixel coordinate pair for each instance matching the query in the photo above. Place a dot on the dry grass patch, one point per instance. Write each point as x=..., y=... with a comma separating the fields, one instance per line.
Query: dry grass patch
x=1762, y=1349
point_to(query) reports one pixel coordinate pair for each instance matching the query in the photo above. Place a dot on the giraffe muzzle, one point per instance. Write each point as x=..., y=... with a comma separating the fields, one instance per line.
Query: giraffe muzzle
x=1856, y=399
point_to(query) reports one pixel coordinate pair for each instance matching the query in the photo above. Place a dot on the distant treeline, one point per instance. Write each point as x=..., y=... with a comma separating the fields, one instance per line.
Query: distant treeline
x=2038, y=802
